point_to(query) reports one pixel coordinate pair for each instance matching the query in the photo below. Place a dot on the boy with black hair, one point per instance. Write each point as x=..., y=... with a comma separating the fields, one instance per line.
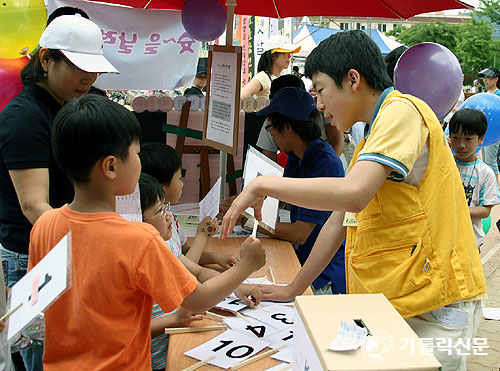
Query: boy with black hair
x=163, y=163
x=118, y=267
x=155, y=213
x=292, y=120
x=412, y=237
x=467, y=130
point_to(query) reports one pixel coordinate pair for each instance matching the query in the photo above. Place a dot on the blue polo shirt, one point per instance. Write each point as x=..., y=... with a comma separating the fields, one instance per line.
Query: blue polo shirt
x=320, y=160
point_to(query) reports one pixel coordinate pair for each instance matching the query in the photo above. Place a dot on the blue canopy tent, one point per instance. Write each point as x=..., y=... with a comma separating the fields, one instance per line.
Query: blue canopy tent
x=308, y=37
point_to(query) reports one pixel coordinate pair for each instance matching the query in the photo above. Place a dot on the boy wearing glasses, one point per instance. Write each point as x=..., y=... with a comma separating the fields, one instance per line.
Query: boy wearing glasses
x=292, y=121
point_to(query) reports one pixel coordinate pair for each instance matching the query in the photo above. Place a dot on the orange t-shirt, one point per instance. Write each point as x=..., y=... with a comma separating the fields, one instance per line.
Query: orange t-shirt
x=118, y=268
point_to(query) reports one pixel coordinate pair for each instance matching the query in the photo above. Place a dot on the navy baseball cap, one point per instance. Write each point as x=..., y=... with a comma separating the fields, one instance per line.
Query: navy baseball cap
x=200, y=70
x=295, y=103
x=490, y=72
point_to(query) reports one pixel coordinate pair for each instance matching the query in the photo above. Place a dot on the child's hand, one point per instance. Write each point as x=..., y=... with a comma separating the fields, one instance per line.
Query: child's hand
x=250, y=294
x=226, y=261
x=2, y=325
x=207, y=227
x=251, y=251
x=184, y=317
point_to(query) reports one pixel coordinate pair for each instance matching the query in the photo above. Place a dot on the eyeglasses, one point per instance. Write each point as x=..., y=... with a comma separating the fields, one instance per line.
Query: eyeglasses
x=162, y=213
x=268, y=127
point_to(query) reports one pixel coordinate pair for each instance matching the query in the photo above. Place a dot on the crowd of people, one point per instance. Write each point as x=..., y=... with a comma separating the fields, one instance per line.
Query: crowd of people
x=382, y=226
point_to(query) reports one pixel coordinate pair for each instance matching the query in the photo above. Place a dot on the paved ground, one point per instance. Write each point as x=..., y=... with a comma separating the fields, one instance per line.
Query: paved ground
x=490, y=330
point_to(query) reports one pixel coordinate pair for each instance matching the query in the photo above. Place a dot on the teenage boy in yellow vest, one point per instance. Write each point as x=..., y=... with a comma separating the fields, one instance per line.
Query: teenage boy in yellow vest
x=412, y=238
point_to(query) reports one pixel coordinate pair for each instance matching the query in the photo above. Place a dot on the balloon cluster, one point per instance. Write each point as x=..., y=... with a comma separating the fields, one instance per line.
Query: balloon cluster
x=21, y=25
x=204, y=20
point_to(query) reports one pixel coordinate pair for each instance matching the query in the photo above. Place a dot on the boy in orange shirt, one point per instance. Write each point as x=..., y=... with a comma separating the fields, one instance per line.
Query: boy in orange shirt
x=118, y=267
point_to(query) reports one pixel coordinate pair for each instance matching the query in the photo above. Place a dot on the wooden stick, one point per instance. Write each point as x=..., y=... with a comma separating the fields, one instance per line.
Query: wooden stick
x=262, y=279
x=241, y=316
x=257, y=357
x=258, y=307
x=199, y=364
x=255, y=225
x=10, y=312
x=272, y=275
x=182, y=330
x=214, y=316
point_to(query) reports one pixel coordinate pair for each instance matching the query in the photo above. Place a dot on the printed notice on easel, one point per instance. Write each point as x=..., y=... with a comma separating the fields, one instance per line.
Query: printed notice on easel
x=40, y=287
x=129, y=206
x=223, y=98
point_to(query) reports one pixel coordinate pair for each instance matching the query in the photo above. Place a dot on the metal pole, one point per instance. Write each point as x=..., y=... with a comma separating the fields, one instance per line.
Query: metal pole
x=229, y=42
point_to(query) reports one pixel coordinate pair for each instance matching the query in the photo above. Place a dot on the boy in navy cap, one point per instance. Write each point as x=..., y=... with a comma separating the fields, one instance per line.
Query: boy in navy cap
x=292, y=120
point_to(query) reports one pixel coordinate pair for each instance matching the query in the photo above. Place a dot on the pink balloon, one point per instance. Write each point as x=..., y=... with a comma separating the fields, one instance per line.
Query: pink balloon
x=432, y=73
x=204, y=20
x=10, y=82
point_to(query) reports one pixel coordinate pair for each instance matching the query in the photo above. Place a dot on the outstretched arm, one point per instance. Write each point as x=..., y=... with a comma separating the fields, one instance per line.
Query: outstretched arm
x=351, y=193
x=329, y=239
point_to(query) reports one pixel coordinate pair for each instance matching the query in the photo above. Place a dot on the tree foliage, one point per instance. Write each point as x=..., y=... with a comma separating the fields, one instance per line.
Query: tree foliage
x=491, y=10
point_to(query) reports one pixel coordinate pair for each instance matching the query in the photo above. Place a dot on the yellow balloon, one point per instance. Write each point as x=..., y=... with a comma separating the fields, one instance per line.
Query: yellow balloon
x=21, y=25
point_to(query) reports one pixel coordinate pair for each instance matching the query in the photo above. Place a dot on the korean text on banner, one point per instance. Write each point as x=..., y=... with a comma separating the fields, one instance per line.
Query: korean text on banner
x=150, y=48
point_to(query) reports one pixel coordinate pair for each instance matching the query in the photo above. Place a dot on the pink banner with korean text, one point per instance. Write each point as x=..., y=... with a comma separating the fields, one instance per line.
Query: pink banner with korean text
x=149, y=47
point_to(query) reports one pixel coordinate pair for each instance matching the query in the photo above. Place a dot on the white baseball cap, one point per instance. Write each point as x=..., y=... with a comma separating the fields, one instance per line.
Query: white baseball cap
x=80, y=40
x=280, y=44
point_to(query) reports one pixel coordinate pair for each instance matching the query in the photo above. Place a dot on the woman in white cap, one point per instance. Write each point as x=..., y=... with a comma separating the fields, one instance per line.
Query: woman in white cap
x=65, y=66
x=276, y=58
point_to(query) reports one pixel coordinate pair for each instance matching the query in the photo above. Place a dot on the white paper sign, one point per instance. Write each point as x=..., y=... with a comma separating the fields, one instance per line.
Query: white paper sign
x=282, y=337
x=257, y=164
x=229, y=348
x=278, y=316
x=491, y=313
x=250, y=327
x=209, y=206
x=231, y=303
x=220, y=124
x=41, y=286
x=349, y=337
x=150, y=47
x=129, y=206
x=284, y=355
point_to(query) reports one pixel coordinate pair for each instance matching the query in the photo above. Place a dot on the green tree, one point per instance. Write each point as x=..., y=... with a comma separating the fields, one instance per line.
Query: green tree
x=437, y=32
x=490, y=9
x=474, y=48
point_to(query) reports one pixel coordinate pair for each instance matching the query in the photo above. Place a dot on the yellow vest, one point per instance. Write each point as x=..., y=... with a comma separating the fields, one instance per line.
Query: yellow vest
x=416, y=245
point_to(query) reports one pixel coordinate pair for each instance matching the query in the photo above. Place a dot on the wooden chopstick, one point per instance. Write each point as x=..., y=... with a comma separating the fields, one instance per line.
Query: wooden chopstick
x=257, y=357
x=214, y=316
x=182, y=330
x=10, y=312
x=198, y=364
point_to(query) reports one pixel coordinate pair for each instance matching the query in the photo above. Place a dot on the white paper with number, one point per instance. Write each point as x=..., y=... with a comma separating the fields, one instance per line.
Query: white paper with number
x=41, y=286
x=278, y=316
x=250, y=327
x=231, y=303
x=209, y=206
x=129, y=206
x=284, y=337
x=229, y=348
x=284, y=355
x=280, y=367
x=257, y=164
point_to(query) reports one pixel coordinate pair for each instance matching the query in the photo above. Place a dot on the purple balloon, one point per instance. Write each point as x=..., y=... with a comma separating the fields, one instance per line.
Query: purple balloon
x=489, y=104
x=432, y=73
x=204, y=20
